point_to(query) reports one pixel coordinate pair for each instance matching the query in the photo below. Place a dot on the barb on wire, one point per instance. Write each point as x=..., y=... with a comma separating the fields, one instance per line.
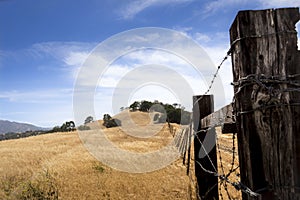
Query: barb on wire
x=260, y=80
x=214, y=76
x=240, y=186
x=231, y=49
x=268, y=83
x=237, y=185
x=233, y=156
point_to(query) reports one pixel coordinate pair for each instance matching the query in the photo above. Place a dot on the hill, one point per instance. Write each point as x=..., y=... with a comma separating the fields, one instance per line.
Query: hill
x=17, y=127
x=58, y=166
x=58, y=163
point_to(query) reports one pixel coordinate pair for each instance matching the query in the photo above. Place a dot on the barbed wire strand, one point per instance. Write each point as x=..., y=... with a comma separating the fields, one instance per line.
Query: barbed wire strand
x=231, y=49
x=238, y=185
x=222, y=169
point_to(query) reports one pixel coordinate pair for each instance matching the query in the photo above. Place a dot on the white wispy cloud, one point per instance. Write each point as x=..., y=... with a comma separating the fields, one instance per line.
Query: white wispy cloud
x=216, y=45
x=137, y=6
x=75, y=58
x=279, y=3
x=113, y=74
x=220, y=5
x=69, y=55
x=57, y=48
x=137, y=73
x=38, y=96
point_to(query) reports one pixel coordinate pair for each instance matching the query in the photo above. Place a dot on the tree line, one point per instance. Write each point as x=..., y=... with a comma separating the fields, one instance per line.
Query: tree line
x=174, y=113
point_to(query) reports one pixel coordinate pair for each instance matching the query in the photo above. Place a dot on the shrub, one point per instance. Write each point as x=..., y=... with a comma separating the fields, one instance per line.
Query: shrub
x=43, y=188
x=98, y=167
x=89, y=119
x=83, y=128
x=109, y=122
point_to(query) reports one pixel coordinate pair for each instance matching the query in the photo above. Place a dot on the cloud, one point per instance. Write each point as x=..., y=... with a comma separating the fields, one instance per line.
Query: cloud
x=279, y=3
x=70, y=53
x=141, y=47
x=129, y=69
x=183, y=30
x=75, y=58
x=216, y=45
x=37, y=97
x=137, y=6
x=220, y=5
x=112, y=75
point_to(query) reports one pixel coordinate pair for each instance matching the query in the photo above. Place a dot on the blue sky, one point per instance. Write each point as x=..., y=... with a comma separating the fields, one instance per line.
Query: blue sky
x=43, y=45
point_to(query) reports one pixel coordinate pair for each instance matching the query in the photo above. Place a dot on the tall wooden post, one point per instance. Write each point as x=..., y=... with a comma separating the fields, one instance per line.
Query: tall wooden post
x=207, y=182
x=265, y=65
x=189, y=149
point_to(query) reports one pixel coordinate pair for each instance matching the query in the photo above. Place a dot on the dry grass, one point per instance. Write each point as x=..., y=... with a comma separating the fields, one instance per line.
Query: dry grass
x=77, y=175
x=225, y=151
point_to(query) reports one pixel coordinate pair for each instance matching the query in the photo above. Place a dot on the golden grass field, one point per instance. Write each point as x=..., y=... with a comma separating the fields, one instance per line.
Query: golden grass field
x=58, y=165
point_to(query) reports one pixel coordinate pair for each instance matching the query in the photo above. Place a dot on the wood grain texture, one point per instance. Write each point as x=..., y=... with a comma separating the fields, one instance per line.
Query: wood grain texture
x=222, y=117
x=207, y=183
x=267, y=138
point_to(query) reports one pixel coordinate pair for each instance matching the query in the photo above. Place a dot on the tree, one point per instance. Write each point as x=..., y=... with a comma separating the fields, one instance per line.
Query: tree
x=109, y=122
x=63, y=127
x=54, y=129
x=70, y=126
x=135, y=106
x=174, y=113
x=89, y=119
x=145, y=106
x=174, y=116
x=106, y=117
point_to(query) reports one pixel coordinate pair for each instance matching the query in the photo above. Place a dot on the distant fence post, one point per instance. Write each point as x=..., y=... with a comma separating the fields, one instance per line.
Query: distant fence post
x=207, y=182
x=189, y=149
x=266, y=71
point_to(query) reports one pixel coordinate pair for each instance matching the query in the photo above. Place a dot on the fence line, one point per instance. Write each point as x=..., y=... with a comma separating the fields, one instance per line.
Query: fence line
x=273, y=87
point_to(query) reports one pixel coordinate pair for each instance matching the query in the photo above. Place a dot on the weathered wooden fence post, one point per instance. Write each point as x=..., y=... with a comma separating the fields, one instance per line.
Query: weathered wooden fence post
x=266, y=73
x=207, y=182
x=189, y=149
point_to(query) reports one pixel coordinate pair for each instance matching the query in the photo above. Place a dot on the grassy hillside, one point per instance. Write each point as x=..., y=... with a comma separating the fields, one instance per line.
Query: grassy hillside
x=58, y=166
x=59, y=163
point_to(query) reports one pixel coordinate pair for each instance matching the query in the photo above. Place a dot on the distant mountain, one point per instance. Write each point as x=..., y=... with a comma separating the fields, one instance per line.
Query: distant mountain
x=16, y=127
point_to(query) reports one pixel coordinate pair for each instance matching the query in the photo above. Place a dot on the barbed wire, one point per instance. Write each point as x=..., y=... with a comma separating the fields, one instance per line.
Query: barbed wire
x=237, y=185
x=270, y=85
x=266, y=82
x=263, y=80
x=233, y=155
x=214, y=76
x=231, y=49
x=222, y=168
